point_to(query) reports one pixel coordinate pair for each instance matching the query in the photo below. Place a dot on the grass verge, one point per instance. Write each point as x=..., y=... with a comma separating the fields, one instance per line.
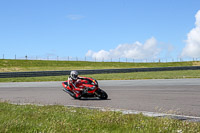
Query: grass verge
x=39, y=65
x=116, y=76
x=55, y=118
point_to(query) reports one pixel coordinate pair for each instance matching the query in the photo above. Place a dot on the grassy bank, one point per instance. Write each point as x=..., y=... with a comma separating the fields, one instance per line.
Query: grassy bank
x=32, y=118
x=117, y=76
x=38, y=65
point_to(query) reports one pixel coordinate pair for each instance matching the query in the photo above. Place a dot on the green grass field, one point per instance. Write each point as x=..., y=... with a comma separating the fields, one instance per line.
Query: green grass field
x=56, y=118
x=116, y=76
x=38, y=65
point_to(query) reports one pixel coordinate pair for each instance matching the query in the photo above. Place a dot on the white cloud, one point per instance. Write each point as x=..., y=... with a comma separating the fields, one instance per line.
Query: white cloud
x=75, y=17
x=192, y=48
x=137, y=50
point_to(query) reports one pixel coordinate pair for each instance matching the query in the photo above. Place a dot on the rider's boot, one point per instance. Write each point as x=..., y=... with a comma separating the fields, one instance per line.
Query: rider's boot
x=77, y=95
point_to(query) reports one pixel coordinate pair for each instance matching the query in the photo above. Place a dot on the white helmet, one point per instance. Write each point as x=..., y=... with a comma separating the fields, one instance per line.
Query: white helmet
x=74, y=75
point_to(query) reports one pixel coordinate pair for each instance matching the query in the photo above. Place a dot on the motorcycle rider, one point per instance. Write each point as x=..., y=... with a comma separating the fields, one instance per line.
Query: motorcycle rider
x=73, y=80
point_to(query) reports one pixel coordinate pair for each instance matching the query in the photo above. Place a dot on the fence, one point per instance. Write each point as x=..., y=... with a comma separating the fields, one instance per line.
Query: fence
x=69, y=58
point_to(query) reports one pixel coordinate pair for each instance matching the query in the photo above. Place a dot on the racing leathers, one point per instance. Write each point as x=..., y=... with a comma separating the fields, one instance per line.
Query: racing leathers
x=72, y=86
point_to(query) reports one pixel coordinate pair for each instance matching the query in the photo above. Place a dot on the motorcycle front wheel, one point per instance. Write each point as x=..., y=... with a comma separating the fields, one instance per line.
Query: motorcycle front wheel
x=102, y=94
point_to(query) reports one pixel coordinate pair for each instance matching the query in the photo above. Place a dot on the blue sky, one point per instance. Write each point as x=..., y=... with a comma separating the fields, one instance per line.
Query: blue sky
x=97, y=29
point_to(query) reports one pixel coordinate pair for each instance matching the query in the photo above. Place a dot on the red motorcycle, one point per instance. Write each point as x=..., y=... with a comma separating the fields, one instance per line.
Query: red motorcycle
x=89, y=88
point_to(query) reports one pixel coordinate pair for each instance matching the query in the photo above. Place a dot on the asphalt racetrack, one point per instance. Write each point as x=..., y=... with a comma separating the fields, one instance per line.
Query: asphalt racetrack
x=175, y=96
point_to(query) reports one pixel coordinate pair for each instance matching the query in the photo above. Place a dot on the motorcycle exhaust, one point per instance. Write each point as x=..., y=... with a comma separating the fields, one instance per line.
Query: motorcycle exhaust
x=69, y=92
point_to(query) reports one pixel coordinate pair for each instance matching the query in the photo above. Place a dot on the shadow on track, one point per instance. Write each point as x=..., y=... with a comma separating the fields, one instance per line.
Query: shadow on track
x=91, y=99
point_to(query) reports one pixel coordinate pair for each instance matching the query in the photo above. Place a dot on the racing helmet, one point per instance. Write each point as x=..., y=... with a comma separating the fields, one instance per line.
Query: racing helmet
x=74, y=75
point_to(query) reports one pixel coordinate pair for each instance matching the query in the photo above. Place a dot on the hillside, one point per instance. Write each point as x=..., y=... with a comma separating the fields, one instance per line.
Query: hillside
x=41, y=65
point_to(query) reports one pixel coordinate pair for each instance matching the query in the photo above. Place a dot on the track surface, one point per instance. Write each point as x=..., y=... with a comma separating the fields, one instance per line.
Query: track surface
x=177, y=96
